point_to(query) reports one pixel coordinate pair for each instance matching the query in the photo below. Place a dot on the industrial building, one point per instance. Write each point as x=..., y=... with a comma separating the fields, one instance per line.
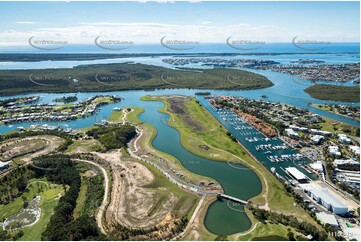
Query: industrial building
x=324, y=197
x=296, y=174
x=326, y=218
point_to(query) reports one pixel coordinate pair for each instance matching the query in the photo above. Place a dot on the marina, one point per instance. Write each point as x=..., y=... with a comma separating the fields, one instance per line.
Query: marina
x=270, y=151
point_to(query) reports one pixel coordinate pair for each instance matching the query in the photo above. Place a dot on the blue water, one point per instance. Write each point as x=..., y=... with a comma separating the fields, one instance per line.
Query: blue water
x=341, y=58
x=235, y=180
x=286, y=89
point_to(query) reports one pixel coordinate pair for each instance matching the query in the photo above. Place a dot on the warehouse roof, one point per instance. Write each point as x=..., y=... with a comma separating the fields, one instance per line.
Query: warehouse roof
x=327, y=218
x=327, y=197
x=296, y=173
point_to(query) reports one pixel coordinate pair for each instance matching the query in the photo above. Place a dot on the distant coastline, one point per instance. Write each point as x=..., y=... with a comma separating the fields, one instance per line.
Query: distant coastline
x=33, y=57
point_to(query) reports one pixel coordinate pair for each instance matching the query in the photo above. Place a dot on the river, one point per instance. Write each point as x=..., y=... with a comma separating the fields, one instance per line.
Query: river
x=222, y=217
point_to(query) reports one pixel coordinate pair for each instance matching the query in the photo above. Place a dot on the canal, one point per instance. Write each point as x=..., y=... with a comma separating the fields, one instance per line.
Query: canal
x=223, y=217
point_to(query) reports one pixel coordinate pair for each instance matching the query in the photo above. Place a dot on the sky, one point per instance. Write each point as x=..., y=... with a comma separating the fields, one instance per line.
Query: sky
x=205, y=22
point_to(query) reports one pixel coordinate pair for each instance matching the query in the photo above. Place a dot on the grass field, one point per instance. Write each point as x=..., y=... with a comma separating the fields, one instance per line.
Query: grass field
x=116, y=116
x=81, y=197
x=84, y=130
x=85, y=146
x=268, y=231
x=335, y=126
x=49, y=199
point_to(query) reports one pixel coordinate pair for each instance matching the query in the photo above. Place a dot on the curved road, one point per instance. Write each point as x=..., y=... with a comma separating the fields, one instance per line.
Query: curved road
x=99, y=216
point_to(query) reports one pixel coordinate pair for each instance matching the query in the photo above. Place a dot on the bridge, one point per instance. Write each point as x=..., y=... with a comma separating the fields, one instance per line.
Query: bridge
x=234, y=199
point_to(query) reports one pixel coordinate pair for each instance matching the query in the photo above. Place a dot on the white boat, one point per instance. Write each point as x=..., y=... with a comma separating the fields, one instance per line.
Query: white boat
x=273, y=169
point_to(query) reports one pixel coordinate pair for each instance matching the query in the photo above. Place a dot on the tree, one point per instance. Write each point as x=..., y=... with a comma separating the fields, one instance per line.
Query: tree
x=221, y=238
x=25, y=202
x=291, y=236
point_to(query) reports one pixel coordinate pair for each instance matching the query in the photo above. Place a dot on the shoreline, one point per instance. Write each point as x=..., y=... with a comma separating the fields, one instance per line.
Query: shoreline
x=95, y=55
x=263, y=190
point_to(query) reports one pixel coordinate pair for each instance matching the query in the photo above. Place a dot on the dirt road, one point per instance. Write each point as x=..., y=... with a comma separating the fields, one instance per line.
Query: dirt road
x=101, y=209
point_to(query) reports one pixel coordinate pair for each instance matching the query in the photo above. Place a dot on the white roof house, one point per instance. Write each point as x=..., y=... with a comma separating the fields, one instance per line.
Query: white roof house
x=343, y=138
x=326, y=218
x=333, y=150
x=338, y=162
x=316, y=139
x=291, y=133
x=355, y=149
x=317, y=166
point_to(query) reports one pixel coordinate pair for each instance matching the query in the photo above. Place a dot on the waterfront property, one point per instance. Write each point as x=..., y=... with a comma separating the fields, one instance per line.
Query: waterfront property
x=296, y=174
x=14, y=112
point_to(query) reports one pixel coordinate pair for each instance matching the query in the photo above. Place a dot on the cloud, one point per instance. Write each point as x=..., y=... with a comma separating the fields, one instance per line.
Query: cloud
x=25, y=22
x=205, y=32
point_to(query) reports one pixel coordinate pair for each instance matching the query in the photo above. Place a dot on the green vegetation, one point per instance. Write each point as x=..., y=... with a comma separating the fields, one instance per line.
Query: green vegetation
x=85, y=146
x=116, y=116
x=49, y=200
x=187, y=201
x=270, y=238
x=11, y=150
x=289, y=220
x=62, y=226
x=67, y=138
x=335, y=93
x=133, y=116
x=13, y=184
x=64, y=99
x=336, y=109
x=91, y=191
x=198, y=128
x=111, y=77
x=339, y=127
x=266, y=231
x=114, y=136
x=49, y=196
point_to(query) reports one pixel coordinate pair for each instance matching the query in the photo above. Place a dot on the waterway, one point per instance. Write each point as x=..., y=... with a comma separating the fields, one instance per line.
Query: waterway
x=222, y=217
